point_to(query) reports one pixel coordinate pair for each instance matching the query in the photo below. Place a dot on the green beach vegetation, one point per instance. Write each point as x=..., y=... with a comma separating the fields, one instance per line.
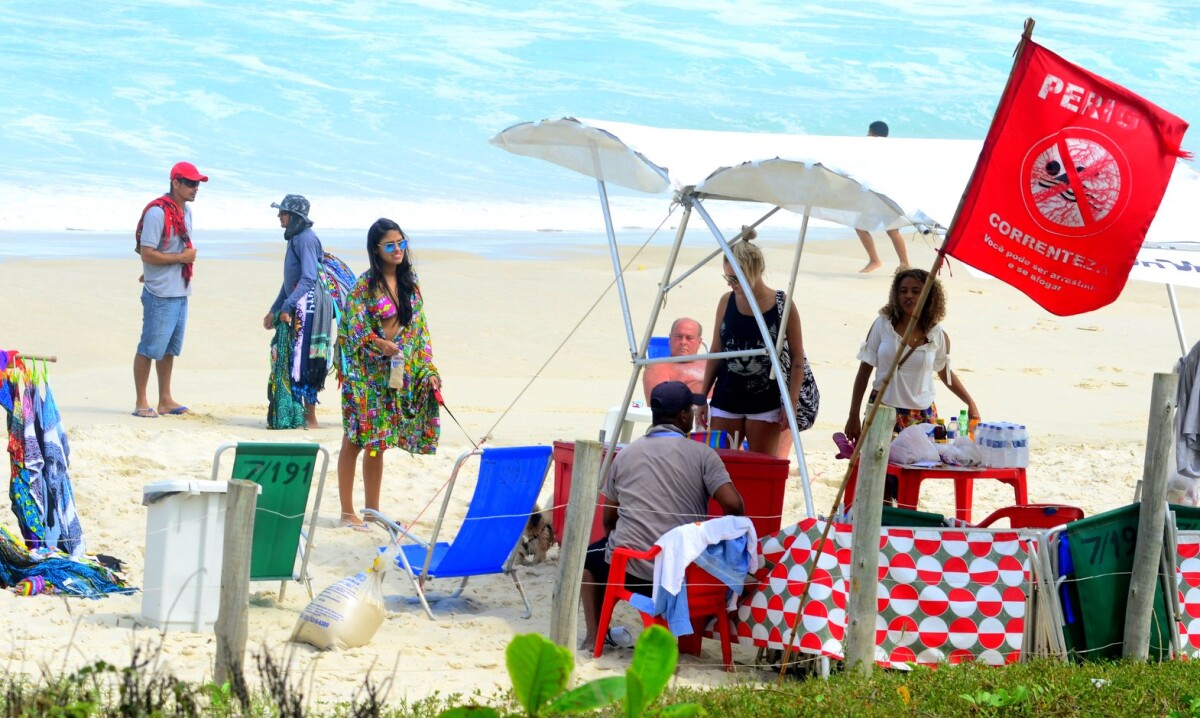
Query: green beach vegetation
x=541, y=687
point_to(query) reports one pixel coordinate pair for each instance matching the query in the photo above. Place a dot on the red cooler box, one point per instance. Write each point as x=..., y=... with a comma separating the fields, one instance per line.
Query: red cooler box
x=564, y=461
x=760, y=478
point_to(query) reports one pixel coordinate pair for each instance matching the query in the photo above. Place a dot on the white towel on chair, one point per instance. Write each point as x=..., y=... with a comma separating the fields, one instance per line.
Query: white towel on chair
x=682, y=544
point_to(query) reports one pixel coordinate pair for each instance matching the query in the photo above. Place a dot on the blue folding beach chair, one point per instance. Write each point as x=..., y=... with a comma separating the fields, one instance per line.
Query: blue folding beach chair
x=510, y=480
x=659, y=347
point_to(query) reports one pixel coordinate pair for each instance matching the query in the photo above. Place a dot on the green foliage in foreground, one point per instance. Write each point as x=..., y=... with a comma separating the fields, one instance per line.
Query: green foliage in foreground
x=1044, y=688
x=541, y=672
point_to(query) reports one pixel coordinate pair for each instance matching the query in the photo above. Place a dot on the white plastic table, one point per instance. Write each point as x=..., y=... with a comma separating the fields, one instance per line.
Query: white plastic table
x=636, y=413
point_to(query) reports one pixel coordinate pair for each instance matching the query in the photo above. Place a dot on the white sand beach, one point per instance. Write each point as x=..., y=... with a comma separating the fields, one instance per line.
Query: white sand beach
x=1081, y=384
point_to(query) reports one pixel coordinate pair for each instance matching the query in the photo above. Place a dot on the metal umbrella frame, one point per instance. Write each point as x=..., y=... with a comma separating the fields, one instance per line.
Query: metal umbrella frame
x=801, y=185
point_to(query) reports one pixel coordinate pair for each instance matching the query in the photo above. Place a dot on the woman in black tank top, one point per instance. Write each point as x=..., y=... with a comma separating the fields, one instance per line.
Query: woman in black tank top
x=745, y=397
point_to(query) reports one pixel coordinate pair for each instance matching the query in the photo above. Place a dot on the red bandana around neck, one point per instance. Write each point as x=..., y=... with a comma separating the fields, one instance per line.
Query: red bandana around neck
x=172, y=224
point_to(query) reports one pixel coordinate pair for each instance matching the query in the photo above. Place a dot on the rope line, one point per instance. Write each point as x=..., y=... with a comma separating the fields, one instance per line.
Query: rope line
x=578, y=324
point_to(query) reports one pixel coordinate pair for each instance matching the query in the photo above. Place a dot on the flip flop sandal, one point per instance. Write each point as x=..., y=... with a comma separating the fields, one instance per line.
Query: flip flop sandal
x=348, y=524
x=845, y=448
x=145, y=413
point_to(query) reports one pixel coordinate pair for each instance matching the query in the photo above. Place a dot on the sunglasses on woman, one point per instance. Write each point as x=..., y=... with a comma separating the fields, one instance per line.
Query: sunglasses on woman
x=731, y=279
x=390, y=247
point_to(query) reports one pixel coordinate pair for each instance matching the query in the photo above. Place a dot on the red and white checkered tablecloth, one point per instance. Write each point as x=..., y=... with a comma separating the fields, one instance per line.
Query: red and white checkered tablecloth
x=945, y=595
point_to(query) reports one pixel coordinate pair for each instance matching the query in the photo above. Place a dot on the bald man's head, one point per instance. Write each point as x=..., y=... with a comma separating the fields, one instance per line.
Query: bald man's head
x=686, y=335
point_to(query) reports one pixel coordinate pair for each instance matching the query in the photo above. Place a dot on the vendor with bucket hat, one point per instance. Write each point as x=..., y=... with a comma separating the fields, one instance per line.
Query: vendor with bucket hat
x=294, y=384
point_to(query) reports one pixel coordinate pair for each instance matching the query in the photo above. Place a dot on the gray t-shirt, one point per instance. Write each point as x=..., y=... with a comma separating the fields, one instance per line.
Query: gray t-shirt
x=164, y=280
x=660, y=481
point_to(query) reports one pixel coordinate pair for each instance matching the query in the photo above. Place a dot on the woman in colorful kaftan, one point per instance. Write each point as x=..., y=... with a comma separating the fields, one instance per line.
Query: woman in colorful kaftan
x=911, y=391
x=298, y=368
x=389, y=382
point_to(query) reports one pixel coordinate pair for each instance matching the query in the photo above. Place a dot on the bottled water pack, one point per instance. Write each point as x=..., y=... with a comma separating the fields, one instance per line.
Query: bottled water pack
x=1003, y=444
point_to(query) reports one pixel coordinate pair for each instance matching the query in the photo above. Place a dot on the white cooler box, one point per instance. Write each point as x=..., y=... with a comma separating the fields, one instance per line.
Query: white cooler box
x=185, y=538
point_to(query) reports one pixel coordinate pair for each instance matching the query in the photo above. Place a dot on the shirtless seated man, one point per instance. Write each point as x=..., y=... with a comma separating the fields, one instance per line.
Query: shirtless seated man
x=686, y=335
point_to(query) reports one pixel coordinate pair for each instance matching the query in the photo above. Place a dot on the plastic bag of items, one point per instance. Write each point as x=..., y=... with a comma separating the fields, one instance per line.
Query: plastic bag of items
x=913, y=445
x=1182, y=489
x=960, y=452
x=348, y=613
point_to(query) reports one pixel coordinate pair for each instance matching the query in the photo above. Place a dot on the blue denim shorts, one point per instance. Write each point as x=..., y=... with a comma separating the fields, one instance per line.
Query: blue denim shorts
x=164, y=320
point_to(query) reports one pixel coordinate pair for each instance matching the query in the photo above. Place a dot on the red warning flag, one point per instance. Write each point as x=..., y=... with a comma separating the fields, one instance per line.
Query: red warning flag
x=1069, y=178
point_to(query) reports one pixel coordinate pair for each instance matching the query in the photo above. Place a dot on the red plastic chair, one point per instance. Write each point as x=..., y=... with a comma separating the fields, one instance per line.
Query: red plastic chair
x=706, y=598
x=1034, y=516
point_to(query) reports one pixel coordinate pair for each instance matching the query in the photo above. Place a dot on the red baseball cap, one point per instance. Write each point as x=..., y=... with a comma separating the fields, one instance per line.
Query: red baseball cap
x=187, y=170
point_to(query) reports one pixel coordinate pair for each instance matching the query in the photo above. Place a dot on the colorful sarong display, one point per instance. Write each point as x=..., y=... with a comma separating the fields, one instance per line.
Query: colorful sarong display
x=39, y=455
x=49, y=558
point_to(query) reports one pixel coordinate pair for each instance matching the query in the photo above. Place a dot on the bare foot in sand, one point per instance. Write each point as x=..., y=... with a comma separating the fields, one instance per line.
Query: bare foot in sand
x=871, y=266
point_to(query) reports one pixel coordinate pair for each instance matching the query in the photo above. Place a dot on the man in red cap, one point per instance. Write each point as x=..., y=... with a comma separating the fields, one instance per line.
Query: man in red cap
x=164, y=241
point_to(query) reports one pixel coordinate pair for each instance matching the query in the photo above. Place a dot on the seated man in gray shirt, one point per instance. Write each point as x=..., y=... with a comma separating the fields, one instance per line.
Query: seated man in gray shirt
x=659, y=481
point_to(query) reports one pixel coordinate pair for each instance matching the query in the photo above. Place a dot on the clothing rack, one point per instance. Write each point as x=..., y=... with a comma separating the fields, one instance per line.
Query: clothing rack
x=34, y=357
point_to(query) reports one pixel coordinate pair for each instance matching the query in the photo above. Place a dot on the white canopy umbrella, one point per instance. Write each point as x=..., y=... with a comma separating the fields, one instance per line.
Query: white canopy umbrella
x=1166, y=255
x=779, y=170
x=860, y=182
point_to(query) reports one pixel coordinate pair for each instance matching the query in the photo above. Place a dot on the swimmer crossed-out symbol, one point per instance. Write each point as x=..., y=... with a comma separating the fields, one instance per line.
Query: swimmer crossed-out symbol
x=1076, y=182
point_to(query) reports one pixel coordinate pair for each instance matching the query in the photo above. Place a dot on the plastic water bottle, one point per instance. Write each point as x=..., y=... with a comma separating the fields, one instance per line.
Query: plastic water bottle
x=1023, y=448
x=983, y=438
x=1010, y=445
x=952, y=429
x=995, y=445
x=1013, y=446
x=980, y=433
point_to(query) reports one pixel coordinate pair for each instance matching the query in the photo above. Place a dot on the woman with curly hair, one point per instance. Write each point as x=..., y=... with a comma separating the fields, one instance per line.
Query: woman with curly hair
x=389, y=381
x=911, y=390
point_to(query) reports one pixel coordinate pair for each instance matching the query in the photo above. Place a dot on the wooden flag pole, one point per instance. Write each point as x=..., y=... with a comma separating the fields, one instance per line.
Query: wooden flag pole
x=1026, y=36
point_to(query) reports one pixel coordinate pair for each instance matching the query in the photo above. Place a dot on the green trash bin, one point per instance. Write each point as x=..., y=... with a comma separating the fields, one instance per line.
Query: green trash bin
x=1097, y=564
x=910, y=518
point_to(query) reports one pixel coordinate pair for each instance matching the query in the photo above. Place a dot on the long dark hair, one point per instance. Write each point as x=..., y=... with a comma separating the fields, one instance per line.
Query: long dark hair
x=406, y=280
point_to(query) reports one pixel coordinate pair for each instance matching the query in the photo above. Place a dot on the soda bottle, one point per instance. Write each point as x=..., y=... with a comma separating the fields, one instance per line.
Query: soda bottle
x=964, y=426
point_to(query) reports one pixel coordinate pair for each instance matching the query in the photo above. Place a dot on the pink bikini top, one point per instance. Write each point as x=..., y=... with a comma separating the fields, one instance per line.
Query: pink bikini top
x=385, y=308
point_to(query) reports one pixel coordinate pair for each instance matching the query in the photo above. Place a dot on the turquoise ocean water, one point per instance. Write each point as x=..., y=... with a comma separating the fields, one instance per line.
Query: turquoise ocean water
x=351, y=244
x=395, y=101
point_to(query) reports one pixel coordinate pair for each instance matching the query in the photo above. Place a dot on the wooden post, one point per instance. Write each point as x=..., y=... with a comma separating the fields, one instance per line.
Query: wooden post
x=1151, y=517
x=232, y=619
x=862, y=607
x=581, y=507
